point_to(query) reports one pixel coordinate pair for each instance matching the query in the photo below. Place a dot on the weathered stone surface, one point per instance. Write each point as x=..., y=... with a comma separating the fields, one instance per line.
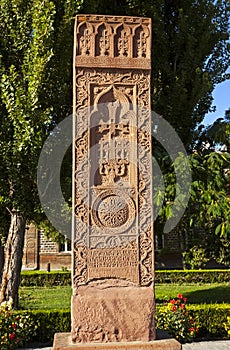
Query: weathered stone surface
x=63, y=341
x=113, y=263
x=112, y=311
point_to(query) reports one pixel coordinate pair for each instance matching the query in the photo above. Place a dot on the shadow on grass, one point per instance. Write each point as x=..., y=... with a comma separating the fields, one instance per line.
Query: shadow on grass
x=216, y=294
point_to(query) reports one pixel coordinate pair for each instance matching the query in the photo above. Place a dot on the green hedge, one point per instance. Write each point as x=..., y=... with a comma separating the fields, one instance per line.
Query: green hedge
x=45, y=279
x=210, y=319
x=63, y=278
x=192, y=276
x=49, y=322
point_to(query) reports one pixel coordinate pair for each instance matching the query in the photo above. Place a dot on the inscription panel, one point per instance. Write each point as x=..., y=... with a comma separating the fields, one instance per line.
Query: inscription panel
x=113, y=263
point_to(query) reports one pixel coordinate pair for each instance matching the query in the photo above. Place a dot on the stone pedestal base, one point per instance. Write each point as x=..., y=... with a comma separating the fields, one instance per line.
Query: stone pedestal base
x=104, y=312
x=63, y=341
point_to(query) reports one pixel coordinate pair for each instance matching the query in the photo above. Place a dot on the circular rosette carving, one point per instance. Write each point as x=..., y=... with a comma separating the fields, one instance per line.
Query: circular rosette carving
x=113, y=210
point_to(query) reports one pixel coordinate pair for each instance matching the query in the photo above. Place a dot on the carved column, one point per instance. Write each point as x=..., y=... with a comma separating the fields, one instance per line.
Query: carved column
x=113, y=264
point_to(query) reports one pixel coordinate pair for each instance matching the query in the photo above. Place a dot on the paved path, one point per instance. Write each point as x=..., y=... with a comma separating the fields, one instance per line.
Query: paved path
x=32, y=348
x=205, y=345
x=208, y=345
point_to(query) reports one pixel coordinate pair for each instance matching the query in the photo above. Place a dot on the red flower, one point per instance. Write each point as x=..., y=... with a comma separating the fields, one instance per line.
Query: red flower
x=12, y=336
x=14, y=326
x=192, y=329
x=174, y=308
x=172, y=301
x=182, y=306
x=180, y=296
x=185, y=300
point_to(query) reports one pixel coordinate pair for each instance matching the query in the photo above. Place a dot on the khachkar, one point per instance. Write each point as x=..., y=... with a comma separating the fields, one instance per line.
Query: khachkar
x=113, y=231
x=113, y=254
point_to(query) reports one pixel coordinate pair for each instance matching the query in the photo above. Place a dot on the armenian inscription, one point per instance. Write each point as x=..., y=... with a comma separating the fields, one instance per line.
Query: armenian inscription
x=108, y=262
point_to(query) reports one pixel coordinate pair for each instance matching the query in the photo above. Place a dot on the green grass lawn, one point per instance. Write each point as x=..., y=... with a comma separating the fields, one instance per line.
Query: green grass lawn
x=59, y=297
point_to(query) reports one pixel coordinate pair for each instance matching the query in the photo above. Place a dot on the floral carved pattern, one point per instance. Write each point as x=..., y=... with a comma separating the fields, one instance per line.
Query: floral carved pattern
x=80, y=266
x=81, y=146
x=146, y=259
x=81, y=211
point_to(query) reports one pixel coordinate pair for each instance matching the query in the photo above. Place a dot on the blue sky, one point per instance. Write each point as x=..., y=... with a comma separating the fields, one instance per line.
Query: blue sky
x=221, y=95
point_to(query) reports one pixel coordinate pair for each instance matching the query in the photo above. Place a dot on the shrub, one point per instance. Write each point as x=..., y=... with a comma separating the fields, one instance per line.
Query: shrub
x=192, y=276
x=176, y=320
x=63, y=278
x=51, y=322
x=45, y=279
x=209, y=319
x=195, y=258
x=227, y=326
x=15, y=328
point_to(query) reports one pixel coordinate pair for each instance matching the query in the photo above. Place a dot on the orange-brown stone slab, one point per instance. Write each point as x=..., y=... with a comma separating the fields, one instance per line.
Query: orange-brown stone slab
x=62, y=341
x=107, y=312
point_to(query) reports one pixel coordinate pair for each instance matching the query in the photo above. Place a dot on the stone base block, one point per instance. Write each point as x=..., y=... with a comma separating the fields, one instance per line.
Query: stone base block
x=103, y=312
x=63, y=341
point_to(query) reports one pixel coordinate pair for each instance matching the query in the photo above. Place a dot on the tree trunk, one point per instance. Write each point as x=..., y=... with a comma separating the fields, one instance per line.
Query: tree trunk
x=1, y=259
x=13, y=258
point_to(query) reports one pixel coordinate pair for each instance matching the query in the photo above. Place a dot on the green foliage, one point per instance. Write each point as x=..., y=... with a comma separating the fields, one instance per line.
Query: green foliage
x=175, y=319
x=209, y=319
x=25, y=33
x=217, y=135
x=210, y=189
x=35, y=93
x=206, y=219
x=45, y=279
x=195, y=258
x=210, y=203
x=192, y=276
x=227, y=326
x=15, y=329
x=51, y=322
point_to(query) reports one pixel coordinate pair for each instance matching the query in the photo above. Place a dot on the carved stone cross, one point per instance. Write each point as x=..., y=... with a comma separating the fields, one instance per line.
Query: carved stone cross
x=113, y=240
x=117, y=182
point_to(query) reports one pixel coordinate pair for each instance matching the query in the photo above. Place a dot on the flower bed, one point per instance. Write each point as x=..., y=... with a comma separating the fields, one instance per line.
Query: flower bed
x=210, y=320
x=15, y=328
x=175, y=319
